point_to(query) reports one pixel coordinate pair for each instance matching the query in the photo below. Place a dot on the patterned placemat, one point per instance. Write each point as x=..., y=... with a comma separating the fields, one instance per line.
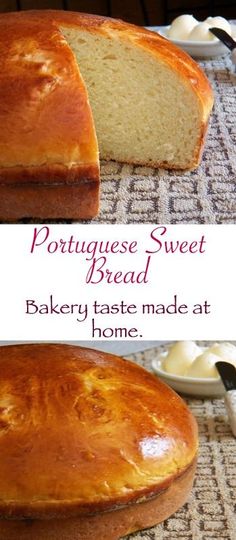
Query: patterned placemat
x=210, y=513
x=208, y=195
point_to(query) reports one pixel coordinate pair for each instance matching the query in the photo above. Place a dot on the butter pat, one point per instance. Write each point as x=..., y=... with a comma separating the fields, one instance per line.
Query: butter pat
x=225, y=351
x=182, y=26
x=204, y=366
x=180, y=357
x=201, y=33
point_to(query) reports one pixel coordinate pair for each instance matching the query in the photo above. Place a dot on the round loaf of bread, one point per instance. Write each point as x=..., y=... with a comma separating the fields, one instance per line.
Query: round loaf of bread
x=91, y=446
x=74, y=84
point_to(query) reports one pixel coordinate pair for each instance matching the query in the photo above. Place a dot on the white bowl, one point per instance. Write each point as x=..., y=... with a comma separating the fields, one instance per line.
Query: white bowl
x=197, y=49
x=193, y=386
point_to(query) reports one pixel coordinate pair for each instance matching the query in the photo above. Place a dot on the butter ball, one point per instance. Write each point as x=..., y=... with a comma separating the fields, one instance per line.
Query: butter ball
x=181, y=27
x=201, y=33
x=204, y=366
x=219, y=22
x=180, y=357
x=225, y=351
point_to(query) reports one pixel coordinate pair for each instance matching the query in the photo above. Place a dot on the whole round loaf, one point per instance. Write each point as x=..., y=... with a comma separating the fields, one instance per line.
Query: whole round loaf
x=72, y=84
x=88, y=441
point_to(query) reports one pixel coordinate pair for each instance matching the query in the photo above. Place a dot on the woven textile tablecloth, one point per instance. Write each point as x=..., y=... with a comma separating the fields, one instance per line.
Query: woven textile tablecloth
x=206, y=195
x=210, y=513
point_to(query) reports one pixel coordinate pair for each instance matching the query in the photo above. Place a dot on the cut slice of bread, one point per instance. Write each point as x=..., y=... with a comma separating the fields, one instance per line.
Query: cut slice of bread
x=147, y=100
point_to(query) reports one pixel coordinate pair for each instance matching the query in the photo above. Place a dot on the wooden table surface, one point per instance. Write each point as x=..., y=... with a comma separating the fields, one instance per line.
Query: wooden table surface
x=143, y=12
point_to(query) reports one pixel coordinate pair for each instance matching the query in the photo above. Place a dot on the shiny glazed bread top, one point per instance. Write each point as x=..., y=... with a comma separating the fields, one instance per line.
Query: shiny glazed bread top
x=83, y=431
x=45, y=118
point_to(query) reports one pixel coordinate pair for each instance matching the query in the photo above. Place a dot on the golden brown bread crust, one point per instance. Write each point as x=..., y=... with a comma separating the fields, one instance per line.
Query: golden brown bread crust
x=107, y=525
x=82, y=431
x=47, y=134
x=44, y=113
